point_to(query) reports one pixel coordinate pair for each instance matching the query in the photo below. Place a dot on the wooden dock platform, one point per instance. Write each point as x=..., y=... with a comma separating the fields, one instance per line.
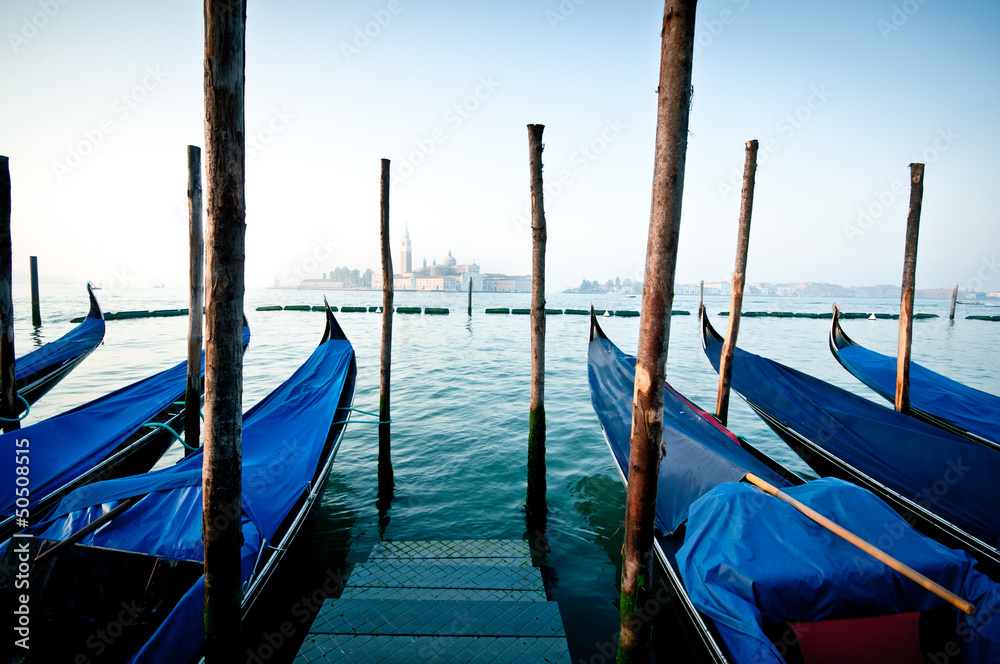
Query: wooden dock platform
x=471, y=601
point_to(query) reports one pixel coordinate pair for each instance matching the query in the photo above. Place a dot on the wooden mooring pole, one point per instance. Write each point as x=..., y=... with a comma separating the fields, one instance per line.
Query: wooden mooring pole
x=225, y=244
x=739, y=282
x=196, y=302
x=36, y=310
x=535, y=502
x=673, y=109
x=385, y=475
x=470, y=295
x=9, y=407
x=954, y=299
x=909, y=284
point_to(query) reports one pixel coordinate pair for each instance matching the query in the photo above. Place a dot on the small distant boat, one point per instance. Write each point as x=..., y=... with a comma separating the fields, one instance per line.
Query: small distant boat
x=756, y=581
x=40, y=370
x=934, y=398
x=148, y=551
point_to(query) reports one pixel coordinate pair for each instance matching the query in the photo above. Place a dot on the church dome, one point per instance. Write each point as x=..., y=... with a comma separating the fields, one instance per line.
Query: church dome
x=449, y=259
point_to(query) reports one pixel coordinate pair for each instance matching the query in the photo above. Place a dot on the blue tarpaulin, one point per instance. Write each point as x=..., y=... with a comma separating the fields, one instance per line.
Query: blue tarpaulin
x=699, y=453
x=973, y=410
x=750, y=559
x=283, y=438
x=81, y=340
x=951, y=476
x=65, y=446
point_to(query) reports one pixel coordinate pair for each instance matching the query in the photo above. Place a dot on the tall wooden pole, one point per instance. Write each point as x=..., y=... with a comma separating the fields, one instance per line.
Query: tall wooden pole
x=909, y=284
x=196, y=302
x=470, y=295
x=739, y=282
x=954, y=299
x=36, y=311
x=385, y=475
x=673, y=108
x=225, y=58
x=535, y=503
x=8, y=390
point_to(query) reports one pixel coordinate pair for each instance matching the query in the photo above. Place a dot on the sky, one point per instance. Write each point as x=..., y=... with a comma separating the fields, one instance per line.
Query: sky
x=102, y=97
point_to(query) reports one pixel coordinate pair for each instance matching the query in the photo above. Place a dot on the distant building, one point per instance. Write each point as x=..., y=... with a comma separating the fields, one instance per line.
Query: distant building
x=449, y=275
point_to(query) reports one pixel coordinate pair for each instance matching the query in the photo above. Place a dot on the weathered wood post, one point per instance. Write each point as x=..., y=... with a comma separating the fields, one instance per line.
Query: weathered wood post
x=470, y=295
x=535, y=503
x=909, y=284
x=673, y=108
x=225, y=57
x=8, y=390
x=196, y=301
x=385, y=474
x=36, y=310
x=739, y=282
x=954, y=299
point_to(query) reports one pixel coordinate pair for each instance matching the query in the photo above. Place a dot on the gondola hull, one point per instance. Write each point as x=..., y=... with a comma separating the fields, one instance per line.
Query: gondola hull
x=936, y=399
x=290, y=440
x=42, y=369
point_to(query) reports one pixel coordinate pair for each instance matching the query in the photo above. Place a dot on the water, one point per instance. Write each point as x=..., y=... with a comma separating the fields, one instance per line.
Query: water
x=460, y=391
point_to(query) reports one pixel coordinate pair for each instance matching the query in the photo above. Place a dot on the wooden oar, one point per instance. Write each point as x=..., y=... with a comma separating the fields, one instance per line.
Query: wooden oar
x=873, y=551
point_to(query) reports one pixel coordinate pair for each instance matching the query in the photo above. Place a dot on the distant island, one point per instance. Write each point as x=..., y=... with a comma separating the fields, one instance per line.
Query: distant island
x=789, y=289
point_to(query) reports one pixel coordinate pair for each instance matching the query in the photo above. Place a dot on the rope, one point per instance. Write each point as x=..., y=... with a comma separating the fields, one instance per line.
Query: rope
x=184, y=403
x=363, y=412
x=161, y=425
x=27, y=409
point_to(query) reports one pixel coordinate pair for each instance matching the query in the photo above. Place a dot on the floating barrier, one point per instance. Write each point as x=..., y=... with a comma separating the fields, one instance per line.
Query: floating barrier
x=625, y=313
x=434, y=310
x=994, y=318
x=827, y=315
x=298, y=307
x=553, y=311
x=272, y=307
x=578, y=312
x=407, y=310
x=498, y=310
x=520, y=311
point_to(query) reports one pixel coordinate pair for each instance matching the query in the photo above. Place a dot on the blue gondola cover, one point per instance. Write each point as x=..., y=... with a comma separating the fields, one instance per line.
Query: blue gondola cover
x=750, y=559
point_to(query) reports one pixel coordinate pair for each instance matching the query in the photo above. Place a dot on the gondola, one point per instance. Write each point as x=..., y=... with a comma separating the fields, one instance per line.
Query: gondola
x=754, y=580
x=934, y=398
x=121, y=433
x=147, y=551
x=914, y=466
x=38, y=372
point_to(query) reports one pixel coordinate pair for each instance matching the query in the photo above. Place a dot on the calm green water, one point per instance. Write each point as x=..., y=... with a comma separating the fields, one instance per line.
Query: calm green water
x=460, y=391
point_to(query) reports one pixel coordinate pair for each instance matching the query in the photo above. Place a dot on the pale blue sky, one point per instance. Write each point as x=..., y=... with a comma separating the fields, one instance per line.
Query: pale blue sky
x=842, y=95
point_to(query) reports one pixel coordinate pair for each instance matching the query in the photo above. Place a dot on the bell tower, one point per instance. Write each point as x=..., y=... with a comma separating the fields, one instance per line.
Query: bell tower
x=406, y=264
